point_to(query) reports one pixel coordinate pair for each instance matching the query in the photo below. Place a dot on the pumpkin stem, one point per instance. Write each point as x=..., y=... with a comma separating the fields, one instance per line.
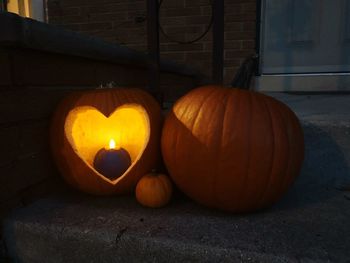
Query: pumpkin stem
x=245, y=73
x=109, y=85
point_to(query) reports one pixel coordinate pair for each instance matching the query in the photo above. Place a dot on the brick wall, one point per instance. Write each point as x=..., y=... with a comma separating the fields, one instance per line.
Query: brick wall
x=32, y=83
x=123, y=22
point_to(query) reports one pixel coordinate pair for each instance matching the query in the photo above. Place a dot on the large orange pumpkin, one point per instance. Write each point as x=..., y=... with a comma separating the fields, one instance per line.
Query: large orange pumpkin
x=232, y=149
x=86, y=121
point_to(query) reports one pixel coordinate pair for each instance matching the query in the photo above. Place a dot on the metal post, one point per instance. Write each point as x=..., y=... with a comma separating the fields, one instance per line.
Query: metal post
x=153, y=47
x=218, y=41
x=257, y=36
x=3, y=5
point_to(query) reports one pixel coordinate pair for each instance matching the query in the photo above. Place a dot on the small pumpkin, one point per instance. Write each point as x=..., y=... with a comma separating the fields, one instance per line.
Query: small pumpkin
x=154, y=190
x=232, y=149
x=85, y=121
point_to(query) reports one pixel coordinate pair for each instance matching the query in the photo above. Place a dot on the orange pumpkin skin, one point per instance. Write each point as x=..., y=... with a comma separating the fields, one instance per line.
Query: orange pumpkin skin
x=74, y=169
x=232, y=149
x=154, y=190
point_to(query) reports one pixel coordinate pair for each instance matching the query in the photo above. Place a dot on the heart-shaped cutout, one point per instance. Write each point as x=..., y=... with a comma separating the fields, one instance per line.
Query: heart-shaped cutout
x=88, y=131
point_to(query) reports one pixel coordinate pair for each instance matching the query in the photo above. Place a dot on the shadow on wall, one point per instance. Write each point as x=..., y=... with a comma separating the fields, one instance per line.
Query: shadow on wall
x=325, y=170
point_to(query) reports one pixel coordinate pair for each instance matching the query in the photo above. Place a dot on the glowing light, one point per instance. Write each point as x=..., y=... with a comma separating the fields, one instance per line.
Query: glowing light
x=111, y=144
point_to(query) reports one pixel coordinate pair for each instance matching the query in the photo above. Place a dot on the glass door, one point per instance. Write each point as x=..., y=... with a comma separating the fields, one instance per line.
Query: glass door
x=305, y=45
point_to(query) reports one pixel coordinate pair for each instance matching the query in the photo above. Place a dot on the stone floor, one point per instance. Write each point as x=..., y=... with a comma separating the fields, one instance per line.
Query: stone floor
x=310, y=224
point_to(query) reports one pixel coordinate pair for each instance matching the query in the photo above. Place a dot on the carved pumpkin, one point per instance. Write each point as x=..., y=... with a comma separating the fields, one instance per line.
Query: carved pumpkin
x=85, y=122
x=154, y=190
x=232, y=149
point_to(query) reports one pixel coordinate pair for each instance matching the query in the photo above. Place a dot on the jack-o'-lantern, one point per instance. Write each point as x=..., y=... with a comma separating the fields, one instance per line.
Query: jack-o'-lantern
x=104, y=129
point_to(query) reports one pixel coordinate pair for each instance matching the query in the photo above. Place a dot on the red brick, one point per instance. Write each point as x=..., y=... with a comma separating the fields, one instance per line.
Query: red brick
x=68, y=11
x=34, y=68
x=207, y=46
x=174, y=86
x=19, y=105
x=73, y=27
x=181, y=47
x=9, y=144
x=198, y=56
x=188, y=11
x=74, y=19
x=208, y=37
x=23, y=139
x=229, y=54
x=131, y=15
x=248, y=44
x=203, y=66
x=244, y=35
x=249, y=7
x=195, y=20
x=198, y=29
x=240, y=17
x=33, y=137
x=25, y=172
x=233, y=9
x=55, y=20
x=206, y=10
x=249, y=26
x=198, y=2
x=240, y=30
x=229, y=74
x=70, y=3
x=114, y=17
x=7, y=205
x=5, y=68
x=96, y=26
x=232, y=62
x=244, y=1
x=175, y=56
x=127, y=25
x=172, y=4
x=233, y=44
x=172, y=21
x=122, y=75
x=117, y=7
x=138, y=46
x=233, y=26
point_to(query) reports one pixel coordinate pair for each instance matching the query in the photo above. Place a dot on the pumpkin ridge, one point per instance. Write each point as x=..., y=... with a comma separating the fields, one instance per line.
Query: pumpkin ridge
x=284, y=181
x=245, y=166
x=194, y=118
x=248, y=142
x=278, y=111
x=297, y=127
x=238, y=100
x=177, y=140
x=200, y=109
x=163, y=187
x=288, y=148
x=175, y=135
x=272, y=162
x=224, y=116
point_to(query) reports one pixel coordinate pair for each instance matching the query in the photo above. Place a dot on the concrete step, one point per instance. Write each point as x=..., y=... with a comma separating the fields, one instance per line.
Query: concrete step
x=310, y=224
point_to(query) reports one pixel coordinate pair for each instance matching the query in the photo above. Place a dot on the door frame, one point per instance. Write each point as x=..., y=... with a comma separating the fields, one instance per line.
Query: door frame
x=301, y=82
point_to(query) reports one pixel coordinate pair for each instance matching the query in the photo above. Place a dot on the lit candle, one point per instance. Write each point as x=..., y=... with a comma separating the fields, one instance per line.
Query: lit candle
x=112, y=162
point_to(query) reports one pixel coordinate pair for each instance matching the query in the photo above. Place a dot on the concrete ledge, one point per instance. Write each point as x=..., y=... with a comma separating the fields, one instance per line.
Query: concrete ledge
x=78, y=228
x=29, y=33
x=310, y=224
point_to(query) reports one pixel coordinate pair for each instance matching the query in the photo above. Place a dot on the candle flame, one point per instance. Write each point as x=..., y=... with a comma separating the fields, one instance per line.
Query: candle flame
x=111, y=144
